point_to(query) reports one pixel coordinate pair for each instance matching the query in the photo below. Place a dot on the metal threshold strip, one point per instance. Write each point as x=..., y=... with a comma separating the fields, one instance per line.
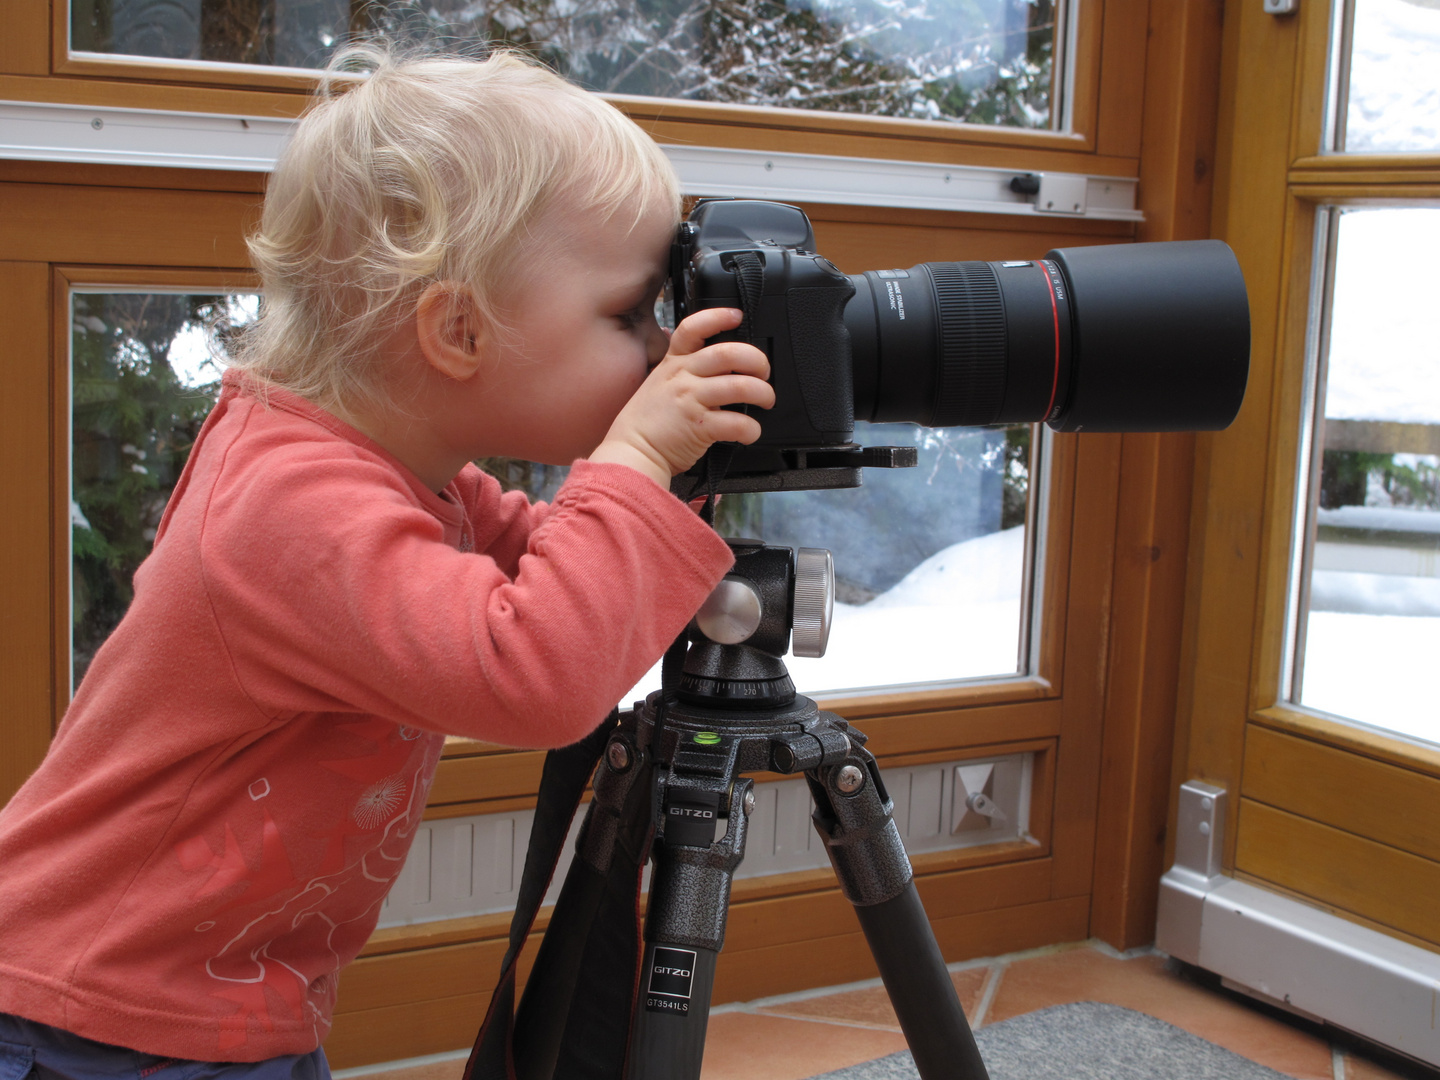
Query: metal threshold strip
x=1297, y=956
x=42, y=131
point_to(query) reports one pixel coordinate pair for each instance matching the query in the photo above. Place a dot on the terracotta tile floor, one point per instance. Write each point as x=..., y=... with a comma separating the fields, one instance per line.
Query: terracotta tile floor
x=799, y=1035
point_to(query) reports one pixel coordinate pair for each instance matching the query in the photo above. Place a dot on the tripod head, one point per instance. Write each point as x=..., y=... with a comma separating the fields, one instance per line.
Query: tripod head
x=745, y=626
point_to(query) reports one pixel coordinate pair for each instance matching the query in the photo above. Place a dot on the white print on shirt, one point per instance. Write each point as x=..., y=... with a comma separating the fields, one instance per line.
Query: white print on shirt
x=244, y=968
x=379, y=802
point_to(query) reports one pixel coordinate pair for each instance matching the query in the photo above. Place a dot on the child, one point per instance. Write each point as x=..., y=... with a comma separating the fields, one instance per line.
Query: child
x=459, y=260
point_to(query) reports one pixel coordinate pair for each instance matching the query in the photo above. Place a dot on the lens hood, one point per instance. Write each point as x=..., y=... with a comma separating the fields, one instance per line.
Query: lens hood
x=1160, y=337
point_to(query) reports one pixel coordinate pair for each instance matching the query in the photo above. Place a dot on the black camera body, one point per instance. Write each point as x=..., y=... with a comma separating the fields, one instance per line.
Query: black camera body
x=797, y=315
x=1126, y=337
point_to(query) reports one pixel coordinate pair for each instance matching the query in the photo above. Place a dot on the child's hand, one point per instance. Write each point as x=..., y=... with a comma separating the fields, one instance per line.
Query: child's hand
x=678, y=411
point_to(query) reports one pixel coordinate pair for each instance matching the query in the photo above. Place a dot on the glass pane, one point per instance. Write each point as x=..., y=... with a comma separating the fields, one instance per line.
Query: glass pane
x=142, y=381
x=976, y=61
x=1393, y=98
x=1369, y=636
x=929, y=562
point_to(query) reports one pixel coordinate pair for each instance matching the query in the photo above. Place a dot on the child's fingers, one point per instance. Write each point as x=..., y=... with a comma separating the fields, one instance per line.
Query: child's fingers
x=692, y=332
x=721, y=390
x=725, y=426
x=725, y=357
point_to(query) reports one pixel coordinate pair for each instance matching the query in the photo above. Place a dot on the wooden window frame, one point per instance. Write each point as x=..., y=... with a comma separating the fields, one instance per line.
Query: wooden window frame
x=47, y=234
x=67, y=280
x=1324, y=183
x=474, y=775
x=1271, y=704
x=1104, y=109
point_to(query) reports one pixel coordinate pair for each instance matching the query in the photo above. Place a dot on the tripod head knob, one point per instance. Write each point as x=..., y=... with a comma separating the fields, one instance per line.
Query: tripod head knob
x=732, y=613
x=745, y=627
x=814, y=604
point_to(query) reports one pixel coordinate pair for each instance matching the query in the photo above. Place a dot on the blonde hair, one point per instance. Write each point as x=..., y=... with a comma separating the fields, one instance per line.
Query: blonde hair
x=429, y=169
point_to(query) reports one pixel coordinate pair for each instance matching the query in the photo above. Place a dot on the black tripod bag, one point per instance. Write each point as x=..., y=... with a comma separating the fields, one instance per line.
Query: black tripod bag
x=575, y=1016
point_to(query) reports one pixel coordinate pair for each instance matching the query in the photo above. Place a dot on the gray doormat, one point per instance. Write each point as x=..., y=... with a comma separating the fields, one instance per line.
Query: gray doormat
x=1084, y=1041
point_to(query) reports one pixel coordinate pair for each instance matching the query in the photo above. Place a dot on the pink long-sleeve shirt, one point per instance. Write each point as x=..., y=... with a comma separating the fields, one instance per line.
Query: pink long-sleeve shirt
x=239, y=777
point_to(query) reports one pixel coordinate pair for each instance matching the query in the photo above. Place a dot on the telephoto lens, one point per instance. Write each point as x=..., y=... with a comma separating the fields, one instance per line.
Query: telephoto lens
x=1124, y=337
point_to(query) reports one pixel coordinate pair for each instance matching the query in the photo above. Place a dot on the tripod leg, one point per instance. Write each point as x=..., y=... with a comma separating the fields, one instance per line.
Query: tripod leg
x=672, y=1013
x=919, y=985
x=684, y=930
x=852, y=814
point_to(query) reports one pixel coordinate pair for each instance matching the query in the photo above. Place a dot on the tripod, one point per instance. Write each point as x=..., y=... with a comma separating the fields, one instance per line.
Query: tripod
x=676, y=765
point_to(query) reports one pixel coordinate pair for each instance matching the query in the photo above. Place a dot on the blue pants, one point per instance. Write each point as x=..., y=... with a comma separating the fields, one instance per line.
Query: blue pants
x=31, y=1051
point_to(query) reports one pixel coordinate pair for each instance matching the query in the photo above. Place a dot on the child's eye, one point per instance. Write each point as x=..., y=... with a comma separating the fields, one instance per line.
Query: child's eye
x=636, y=316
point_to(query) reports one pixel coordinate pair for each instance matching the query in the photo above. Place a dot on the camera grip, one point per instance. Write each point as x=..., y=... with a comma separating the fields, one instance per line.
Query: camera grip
x=820, y=346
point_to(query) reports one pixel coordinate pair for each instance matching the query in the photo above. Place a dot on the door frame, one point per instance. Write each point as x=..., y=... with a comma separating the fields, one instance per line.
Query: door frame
x=1267, y=886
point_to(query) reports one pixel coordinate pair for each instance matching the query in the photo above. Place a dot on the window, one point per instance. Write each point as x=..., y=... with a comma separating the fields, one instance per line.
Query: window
x=142, y=381
x=972, y=61
x=1388, y=82
x=1365, y=571
x=1366, y=582
x=931, y=563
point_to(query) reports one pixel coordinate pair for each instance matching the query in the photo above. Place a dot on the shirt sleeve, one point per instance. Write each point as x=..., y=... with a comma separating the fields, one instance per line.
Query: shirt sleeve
x=334, y=591
x=500, y=521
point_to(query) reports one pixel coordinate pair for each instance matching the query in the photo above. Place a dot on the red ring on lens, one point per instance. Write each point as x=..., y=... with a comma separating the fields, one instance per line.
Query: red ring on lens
x=1055, y=314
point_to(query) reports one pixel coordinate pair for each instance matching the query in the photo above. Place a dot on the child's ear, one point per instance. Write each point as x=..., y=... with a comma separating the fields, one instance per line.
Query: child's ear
x=453, y=335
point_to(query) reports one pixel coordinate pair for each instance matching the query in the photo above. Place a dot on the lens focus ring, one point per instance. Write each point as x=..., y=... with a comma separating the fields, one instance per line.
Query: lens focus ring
x=970, y=380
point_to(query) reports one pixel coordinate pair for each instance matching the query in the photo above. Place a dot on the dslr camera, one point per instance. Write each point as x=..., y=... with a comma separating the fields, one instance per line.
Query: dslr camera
x=1123, y=337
